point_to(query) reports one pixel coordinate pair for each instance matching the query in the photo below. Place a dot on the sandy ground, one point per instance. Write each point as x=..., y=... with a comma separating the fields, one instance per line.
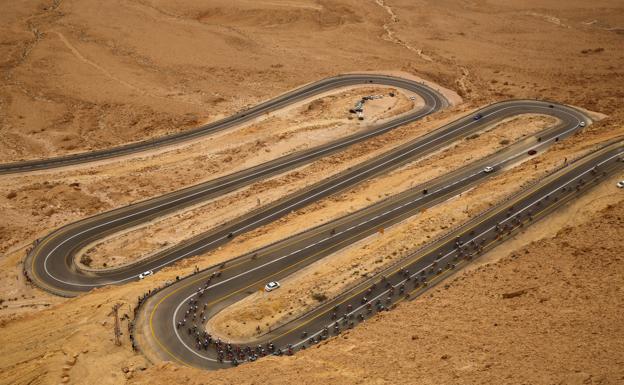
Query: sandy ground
x=463, y=331
x=76, y=78
x=33, y=204
x=78, y=75
x=549, y=313
x=92, y=85
x=330, y=276
x=332, y=120
x=151, y=238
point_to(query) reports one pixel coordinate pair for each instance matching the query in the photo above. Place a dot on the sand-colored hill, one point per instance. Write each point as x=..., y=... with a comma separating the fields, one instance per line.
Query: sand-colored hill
x=548, y=313
x=80, y=75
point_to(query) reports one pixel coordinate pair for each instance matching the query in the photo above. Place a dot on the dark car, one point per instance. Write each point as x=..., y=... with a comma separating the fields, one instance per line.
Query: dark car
x=477, y=116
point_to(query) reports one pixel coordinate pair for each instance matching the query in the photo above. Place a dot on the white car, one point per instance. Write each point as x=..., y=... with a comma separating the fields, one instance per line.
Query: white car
x=273, y=285
x=582, y=124
x=620, y=184
x=145, y=274
x=488, y=169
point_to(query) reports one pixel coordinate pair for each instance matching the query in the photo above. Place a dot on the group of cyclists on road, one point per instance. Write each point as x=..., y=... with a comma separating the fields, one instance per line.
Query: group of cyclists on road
x=379, y=296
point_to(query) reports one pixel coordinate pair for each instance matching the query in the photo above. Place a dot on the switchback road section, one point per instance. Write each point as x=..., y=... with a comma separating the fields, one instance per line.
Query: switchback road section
x=51, y=263
x=170, y=323
x=433, y=101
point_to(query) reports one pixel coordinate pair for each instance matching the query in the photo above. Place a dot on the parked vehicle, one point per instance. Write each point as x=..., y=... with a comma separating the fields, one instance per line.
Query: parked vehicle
x=273, y=285
x=145, y=274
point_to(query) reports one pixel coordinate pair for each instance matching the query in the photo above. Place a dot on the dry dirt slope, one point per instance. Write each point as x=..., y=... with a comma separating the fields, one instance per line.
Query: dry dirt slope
x=549, y=313
x=82, y=74
x=88, y=74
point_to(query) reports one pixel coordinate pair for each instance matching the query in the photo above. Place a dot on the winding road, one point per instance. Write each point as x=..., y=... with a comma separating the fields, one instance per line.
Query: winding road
x=51, y=263
x=433, y=101
x=164, y=327
x=162, y=336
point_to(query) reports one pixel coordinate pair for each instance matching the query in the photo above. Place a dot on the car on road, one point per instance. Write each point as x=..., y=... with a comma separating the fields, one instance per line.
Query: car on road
x=273, y=285
x=145, y=274
x=582, y=124
x=620, y=184
x=488, y=169
x=477, y=116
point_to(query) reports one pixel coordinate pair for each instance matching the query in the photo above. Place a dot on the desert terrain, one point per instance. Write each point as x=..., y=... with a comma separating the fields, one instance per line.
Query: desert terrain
x=544, y=307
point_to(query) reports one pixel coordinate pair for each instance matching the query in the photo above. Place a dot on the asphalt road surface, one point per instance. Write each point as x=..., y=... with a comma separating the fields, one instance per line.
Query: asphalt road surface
x=51, y=264
x=433, y=102
x=169, y=323
x=167, y=330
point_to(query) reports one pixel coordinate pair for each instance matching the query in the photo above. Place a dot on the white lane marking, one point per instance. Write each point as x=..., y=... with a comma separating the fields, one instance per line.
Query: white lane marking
x=468, y=241
x=417, y=116
x=398, y=156
x=286, y=99
x=268, y=216
x=180, y=304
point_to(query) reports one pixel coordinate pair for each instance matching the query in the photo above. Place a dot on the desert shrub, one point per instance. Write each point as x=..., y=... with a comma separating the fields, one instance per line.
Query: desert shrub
x=319, y=297
x=86, y=260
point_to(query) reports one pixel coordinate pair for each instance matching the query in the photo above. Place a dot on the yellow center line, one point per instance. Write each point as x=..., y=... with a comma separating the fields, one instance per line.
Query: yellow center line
x=255, y=283
x=522, y=196
x=412, y=261
x=141, y=204
x=437, y=278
